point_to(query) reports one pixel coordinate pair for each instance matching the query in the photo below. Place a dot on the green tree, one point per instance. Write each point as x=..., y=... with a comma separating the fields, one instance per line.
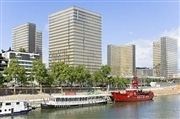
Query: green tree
x=70, y=75
x=97, y=78
x=57, y=72
x=31, y=79
x=15, y=72
x=106, y=70
x=12, y=70
x=39, y=72
x=22, y=79
x=1, y=79
x=121, y=82
x=82, y=75
x=102, y=76
x=22, y=50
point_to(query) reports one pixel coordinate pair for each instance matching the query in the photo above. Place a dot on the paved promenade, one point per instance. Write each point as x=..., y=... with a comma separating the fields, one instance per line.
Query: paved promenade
x=36, y=99
x=169, y=90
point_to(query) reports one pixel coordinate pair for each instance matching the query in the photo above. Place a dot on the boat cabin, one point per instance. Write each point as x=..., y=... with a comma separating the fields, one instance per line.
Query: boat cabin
x=74, y=100
x=13, y=107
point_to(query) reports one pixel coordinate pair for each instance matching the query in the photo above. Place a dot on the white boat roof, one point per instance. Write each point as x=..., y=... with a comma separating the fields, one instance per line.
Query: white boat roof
x=128, y=89
x=12, y=101
x=78, y=95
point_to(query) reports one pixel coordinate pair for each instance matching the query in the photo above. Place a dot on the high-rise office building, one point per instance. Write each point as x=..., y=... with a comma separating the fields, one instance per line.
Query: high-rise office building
x=121, y=59
x=26, y=37
x=75, y=38
x=169, y=57
x=38, y=43
x=156, y=58
x=165, y=57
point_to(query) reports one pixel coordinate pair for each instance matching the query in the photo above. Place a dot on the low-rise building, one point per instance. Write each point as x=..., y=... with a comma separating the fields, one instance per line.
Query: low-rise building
x=3, y=62
x=24, y=59
x=144, y=71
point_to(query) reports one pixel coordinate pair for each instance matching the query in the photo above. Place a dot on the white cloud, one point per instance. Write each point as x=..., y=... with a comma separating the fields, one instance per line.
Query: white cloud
x=175, y=33
x=130, y=33
x=143, y=52
x=144, y=48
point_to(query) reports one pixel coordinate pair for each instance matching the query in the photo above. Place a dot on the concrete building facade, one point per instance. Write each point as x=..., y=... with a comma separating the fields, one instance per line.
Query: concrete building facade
x=121, y=59
x=156, y=58
x=169, y=57
x=26, y=37
x=165, y=57
x=38, y=43
x=75, y=38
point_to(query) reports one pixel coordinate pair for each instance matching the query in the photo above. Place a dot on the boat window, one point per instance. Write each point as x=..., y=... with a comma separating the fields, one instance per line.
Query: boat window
x=0, y=110
x=25, y=104
x=8, y=103
x=17, y=103
x=0, y=104
x=57, y=99
x=5, y=110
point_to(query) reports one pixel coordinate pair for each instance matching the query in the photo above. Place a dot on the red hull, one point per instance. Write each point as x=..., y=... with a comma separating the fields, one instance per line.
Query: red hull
x=132, y=96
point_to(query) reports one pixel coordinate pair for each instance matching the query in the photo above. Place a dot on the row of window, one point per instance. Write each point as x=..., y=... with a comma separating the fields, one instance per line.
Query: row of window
x=8, y=103
x=79, y=99
x=5, y=110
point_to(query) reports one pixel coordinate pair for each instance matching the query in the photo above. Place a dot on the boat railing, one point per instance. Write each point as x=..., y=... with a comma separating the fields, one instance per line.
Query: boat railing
x=0, y=104
x=79, y=102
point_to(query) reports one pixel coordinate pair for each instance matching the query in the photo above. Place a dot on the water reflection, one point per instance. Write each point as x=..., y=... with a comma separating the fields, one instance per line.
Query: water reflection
x=73, y=113
x=130, y=110
x=165, y=107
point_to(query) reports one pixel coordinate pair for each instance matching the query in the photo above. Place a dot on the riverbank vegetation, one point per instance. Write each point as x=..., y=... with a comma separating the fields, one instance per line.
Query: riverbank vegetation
x=60, y=74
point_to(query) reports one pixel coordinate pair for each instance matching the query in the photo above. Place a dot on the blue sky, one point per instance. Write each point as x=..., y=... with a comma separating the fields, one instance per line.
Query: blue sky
x=123, y=22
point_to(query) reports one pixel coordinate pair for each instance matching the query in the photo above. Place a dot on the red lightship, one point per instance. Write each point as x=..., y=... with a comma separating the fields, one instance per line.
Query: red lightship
x=132, y=94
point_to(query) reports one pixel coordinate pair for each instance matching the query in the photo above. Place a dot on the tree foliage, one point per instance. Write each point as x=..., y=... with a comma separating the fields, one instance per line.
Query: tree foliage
x=22, y=50
x=102, y=76
x=56, y=72
x=1, y=79
x=121, y=82
x=60, y=73
x=15, y=72
x=39, y=72
x=82, y=75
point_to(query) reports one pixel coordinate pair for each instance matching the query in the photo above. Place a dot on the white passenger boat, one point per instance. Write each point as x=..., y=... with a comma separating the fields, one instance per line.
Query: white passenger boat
x=67, y=101
x=14, y=107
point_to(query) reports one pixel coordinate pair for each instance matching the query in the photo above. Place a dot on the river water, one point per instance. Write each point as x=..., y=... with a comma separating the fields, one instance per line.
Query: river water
x=164, y=107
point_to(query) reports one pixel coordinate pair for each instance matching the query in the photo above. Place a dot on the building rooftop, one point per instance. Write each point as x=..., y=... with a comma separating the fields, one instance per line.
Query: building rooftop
x=74, y=7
